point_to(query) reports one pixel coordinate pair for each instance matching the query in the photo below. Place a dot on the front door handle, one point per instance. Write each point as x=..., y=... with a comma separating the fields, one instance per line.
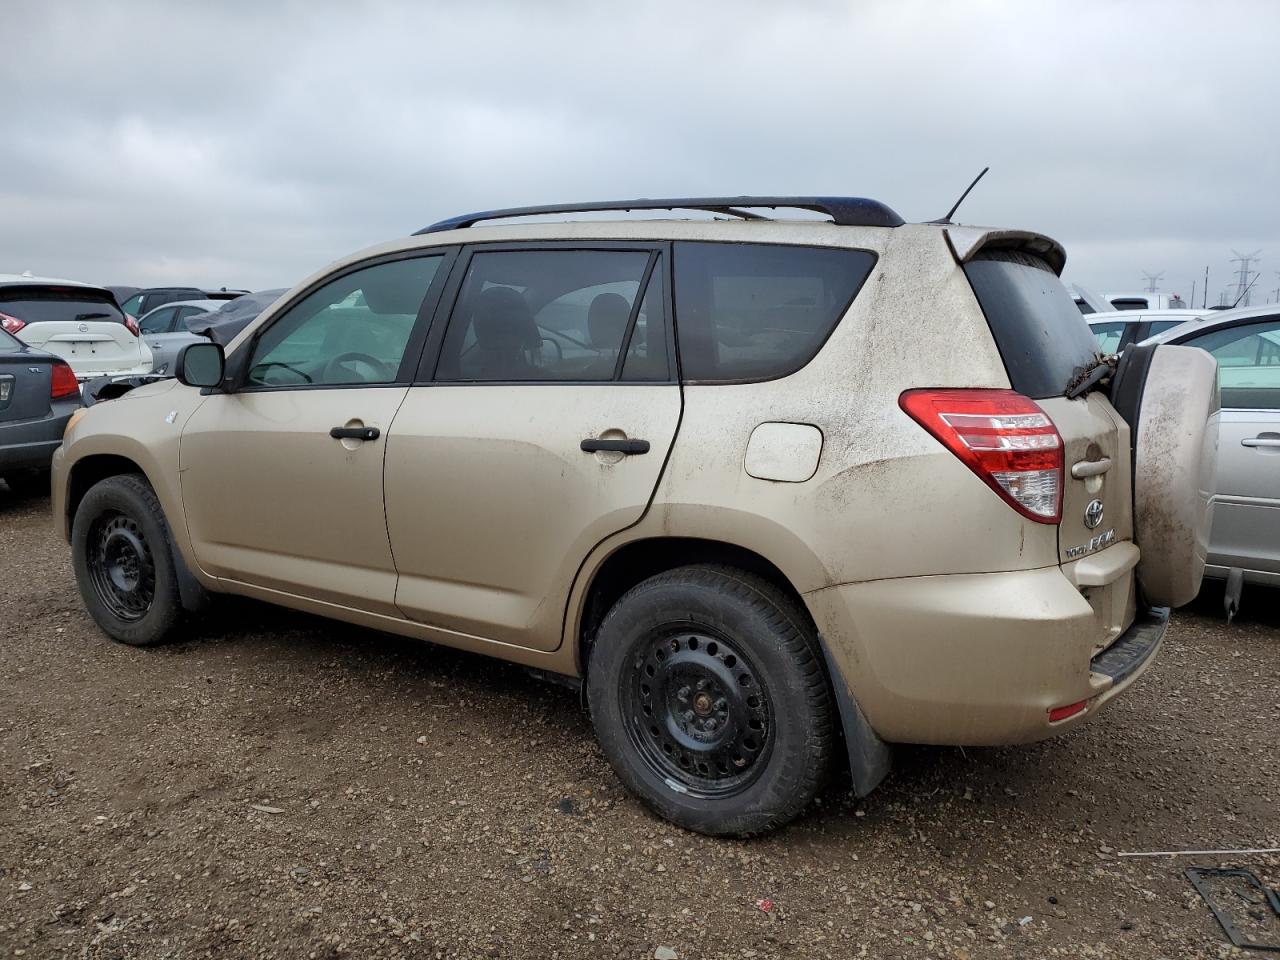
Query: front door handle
x=592, y=445
x=1260, y=442
x=355, y=433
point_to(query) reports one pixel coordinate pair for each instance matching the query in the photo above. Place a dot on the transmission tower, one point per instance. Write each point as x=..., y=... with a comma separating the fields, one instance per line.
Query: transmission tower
x=1244, y=274
x=1153, y=281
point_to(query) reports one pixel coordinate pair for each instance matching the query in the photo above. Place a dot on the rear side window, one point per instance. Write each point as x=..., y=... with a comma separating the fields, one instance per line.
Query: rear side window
x=747, y=311
x=1160, y=326
x=558, y=315
x=1108, y=335
x=1248, y=364
x=67, y=304
x=1041, y=336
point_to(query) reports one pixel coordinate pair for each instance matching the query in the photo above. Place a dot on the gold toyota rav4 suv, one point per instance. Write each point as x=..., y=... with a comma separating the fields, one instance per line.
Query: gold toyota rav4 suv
x=778, y=493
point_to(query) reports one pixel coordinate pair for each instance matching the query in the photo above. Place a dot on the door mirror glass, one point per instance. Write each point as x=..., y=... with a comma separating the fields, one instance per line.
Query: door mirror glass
x=200, y=365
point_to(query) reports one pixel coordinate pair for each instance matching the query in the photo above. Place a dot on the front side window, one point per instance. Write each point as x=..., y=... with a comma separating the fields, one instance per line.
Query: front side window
x=158, y=321
x=353, y=330
x=133, y=305
x=1160, y=326
x=748, y=311
x=1108, y=335
x=1248, y=364
x=557, y=315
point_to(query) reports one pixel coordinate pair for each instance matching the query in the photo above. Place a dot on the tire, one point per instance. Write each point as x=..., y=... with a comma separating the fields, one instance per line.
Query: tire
x=120, y=551
x=28, y=483
x=710, y=699
x=1175, y=452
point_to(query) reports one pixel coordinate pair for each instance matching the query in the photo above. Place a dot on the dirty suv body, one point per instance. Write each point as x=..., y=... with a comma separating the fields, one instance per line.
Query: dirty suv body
x=777, y=493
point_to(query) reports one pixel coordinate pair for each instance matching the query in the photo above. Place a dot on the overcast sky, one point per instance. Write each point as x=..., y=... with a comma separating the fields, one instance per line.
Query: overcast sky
x=248, y=144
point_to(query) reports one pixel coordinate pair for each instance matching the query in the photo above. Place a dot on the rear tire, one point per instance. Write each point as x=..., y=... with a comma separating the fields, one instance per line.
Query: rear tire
x=710, y=699
x=120, y=550
x=28, y=483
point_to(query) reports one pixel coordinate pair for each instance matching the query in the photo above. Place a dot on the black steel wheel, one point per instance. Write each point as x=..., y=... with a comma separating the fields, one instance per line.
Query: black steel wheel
x=710, y=698
x=121, y=566
x=121, y=554
x=697, y=711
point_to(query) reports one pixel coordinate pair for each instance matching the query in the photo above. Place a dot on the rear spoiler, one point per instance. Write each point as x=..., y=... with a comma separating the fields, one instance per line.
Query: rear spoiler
x=966, y=242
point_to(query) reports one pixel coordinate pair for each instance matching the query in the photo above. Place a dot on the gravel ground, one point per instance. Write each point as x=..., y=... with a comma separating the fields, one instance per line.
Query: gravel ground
x=281, y=786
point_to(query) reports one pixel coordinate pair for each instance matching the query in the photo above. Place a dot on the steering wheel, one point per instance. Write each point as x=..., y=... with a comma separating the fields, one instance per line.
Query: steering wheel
x=331, y=369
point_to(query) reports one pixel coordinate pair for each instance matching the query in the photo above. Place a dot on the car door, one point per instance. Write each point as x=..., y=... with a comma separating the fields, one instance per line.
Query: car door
x=282, y=472
x=167, y=341
x=546, y=407
x=1246, y=520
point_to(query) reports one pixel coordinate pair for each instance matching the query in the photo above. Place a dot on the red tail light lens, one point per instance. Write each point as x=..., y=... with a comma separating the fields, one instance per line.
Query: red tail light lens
x=132, y=325
x=63, y=382
x=1003, y=437
x=11, y=324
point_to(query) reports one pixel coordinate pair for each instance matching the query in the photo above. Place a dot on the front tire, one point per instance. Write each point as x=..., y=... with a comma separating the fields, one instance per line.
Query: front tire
x=709, y=698
x=120, y=551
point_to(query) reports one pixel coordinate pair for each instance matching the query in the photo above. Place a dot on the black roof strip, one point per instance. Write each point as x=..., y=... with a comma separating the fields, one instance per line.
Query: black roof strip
x=844, y=211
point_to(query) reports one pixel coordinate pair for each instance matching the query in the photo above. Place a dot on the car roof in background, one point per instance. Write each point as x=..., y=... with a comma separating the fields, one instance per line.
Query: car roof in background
x=1136, y=316
x=202, y=304
x=25, y=280
x=1216, y=320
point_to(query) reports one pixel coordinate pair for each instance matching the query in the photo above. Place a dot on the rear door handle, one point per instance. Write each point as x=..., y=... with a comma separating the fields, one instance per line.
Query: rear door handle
x=1260, y=442
x=591, y=445
x=355, y=433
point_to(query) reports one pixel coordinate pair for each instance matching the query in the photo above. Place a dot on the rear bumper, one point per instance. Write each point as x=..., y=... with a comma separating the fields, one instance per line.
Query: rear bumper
x=981, y=659
x=30, y=444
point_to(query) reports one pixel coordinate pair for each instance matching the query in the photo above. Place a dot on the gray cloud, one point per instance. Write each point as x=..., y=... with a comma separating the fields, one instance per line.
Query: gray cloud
x=250, y=143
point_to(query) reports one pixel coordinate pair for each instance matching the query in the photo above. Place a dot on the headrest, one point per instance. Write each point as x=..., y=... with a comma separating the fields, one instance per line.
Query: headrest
x=607, y=320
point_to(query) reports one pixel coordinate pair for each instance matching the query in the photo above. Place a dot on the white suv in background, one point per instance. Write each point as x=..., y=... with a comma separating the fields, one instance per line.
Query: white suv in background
x=78, y=322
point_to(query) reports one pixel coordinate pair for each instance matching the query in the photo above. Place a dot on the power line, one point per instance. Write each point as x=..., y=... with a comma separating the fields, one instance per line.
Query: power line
x=1243, y=274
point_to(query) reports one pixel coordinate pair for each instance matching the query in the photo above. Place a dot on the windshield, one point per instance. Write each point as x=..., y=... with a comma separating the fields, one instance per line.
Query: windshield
x=33, y=304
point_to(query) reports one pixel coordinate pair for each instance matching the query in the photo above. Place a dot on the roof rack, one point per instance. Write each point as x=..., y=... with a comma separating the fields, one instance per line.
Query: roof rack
x=844, y=211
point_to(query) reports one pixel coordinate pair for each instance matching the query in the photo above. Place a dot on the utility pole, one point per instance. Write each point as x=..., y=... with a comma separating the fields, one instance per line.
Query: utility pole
x=1153, y=281
x=1204, y=304
x=1192, y=301
x=1244, y=273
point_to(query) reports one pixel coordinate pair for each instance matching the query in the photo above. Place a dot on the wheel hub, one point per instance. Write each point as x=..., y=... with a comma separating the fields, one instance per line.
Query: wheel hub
x=698, y=712
x=121, y=567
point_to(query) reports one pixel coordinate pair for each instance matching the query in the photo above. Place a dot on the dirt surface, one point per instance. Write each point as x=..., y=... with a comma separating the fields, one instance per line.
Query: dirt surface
x=281, y=786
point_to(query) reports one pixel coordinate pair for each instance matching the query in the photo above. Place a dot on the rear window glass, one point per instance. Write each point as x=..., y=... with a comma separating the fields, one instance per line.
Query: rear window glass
x=1041, y=336
x=44, y=304
x=759, y=311
x=1132, y=304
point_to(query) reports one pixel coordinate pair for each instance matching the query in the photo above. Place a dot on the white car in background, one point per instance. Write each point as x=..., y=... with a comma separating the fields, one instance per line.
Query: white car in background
x=1145, y=300
x=78, y=322
x=1118, y=329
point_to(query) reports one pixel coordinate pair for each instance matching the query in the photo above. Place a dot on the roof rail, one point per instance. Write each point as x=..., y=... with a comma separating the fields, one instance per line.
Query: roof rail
x=844, y=211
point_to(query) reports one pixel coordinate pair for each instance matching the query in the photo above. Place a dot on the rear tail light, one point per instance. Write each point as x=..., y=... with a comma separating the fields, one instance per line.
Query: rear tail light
x=132, y=325
x=11, y=324
x=63, y=383
x=1003, y=437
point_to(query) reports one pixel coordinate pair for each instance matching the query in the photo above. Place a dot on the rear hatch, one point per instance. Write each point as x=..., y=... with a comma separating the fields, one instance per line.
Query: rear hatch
x=1045, y=343
x=83, y=325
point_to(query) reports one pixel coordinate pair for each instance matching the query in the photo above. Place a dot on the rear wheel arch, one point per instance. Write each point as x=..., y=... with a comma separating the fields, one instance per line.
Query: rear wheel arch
x=867, y=755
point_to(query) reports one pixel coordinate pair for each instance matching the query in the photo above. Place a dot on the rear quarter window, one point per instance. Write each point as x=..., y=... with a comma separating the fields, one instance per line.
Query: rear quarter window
x=747, y=311
x=1041, y=335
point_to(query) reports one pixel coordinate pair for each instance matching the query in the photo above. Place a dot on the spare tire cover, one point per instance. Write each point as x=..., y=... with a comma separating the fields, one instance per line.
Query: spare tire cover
x=1174, y=472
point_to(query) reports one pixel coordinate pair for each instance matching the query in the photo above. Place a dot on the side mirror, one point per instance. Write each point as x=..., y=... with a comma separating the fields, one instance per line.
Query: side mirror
x=200, y=365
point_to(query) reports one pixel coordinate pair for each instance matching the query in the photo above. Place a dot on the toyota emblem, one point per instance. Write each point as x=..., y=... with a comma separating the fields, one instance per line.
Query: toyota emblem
x=1093, y=514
